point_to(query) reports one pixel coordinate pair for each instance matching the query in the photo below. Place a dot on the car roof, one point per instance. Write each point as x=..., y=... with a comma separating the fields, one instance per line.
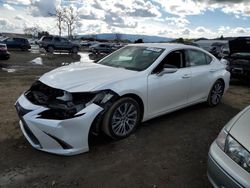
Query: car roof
x=167, y=46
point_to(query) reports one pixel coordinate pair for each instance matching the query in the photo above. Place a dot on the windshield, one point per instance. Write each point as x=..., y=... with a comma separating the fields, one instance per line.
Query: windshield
x=133, y=57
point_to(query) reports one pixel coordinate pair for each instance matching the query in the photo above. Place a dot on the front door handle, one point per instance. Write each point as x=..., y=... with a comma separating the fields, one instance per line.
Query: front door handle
x=186, y=76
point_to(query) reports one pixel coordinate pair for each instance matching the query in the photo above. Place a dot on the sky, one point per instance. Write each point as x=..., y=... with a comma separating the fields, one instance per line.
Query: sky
x=166, y=18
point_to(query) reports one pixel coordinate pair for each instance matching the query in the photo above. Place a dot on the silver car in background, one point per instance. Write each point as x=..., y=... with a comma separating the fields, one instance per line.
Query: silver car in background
x=229, y=156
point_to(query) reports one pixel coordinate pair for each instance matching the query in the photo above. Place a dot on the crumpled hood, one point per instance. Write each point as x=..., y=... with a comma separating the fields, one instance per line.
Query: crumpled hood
x=84, y=76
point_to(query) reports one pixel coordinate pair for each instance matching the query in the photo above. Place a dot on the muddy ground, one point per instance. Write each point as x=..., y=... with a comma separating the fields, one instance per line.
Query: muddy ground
x=169, y=151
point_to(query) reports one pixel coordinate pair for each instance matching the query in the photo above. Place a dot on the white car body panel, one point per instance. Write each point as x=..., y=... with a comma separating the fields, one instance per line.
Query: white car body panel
x=74, y=132
x=159, y=94
x=168, y=91
x=84, y=77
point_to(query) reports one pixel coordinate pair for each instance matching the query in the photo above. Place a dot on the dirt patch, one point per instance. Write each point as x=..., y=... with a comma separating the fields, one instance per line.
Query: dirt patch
x=169, y=151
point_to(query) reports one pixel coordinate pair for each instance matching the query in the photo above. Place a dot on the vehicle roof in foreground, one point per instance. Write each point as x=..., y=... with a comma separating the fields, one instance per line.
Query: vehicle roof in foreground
x=167, y=46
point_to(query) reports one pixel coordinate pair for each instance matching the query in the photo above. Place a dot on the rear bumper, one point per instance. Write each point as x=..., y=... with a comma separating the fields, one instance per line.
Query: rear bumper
x=222, y=171
x=63, y=137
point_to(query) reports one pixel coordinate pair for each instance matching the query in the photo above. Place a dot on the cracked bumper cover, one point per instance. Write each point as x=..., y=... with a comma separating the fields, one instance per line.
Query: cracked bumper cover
x=63, y=137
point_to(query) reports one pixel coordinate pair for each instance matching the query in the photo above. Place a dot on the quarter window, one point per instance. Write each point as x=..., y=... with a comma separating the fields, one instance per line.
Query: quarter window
x=197, y=58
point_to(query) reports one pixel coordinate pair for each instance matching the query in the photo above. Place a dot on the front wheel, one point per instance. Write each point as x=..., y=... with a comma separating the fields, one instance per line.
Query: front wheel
x=24, y=48
x=122, y=118
x=216, y=93
x=50, y=49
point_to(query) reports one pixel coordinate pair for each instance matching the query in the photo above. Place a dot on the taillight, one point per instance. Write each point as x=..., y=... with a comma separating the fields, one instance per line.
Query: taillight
x=228, y=68
x=3, y=48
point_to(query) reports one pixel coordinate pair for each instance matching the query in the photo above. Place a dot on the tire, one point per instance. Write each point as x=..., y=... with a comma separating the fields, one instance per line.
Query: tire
x=216, y=93
x=75, y=50
x=122, y=118
x=50, y=49
x=24, y=48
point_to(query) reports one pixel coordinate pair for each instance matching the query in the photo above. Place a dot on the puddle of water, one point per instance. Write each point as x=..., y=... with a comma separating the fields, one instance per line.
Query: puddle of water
x=56, y=60
x=85, y=57
x=37, y=61
x=9, y=70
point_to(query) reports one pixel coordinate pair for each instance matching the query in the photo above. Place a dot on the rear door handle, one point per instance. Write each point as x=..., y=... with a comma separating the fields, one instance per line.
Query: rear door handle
x=212, y=70
x=186, y=76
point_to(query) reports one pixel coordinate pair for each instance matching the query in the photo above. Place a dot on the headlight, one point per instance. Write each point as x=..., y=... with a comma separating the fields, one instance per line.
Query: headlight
x=69, y=104
x=234, y=150
x=221, y=139
x=238, y=153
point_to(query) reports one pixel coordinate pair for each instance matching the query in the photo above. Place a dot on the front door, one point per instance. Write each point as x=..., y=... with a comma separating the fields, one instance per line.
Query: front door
x=169, y=91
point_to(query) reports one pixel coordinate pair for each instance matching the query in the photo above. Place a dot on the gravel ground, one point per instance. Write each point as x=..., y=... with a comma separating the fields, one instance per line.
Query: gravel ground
x=169, y=151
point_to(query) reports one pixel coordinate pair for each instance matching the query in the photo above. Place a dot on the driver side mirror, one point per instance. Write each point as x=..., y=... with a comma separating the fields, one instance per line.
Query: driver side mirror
x=167, y=71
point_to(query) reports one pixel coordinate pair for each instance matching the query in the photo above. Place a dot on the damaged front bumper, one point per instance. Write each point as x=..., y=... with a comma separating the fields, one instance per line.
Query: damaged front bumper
x=63, y=137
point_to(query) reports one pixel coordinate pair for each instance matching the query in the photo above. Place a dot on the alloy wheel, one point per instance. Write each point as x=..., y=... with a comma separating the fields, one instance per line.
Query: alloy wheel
x=216, y=93
x=124, y=119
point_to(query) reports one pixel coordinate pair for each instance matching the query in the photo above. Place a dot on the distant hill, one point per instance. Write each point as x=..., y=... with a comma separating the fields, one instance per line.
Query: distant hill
x=130, y=37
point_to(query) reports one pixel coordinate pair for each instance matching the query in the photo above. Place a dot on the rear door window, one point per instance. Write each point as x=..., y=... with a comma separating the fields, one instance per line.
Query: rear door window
x=197, y=58
x=47, y=39
x=57, y=39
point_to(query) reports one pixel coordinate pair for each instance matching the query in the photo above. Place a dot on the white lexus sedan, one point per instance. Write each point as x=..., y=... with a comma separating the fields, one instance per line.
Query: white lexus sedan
x=132, y=85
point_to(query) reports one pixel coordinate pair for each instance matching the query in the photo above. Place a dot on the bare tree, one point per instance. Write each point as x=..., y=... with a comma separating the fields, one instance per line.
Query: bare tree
x=59, y=18
x=71, y=18
x=32, y=31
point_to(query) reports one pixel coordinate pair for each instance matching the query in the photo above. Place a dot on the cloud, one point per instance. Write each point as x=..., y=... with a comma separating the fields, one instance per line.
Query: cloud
x=19, y=17
x=6, y=25
x=182, y=8
x=240, y=30
x=8, y=7
x=17, y=2
x=175, y=21
x=44, y=7
x=186, y=32
x=114, y=19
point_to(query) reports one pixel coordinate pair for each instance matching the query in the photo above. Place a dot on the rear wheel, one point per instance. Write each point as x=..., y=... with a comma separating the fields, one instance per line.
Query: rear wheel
x=216, y=93
x=122, y=118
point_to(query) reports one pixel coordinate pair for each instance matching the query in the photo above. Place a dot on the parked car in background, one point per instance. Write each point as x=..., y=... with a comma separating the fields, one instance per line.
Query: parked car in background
x=239, y=58
x=224, y=51
x=215, y=48
x=56, y=43
x=229, y=156
x=4, y=54
x=17, y=43
x=102, y=48
x=134, y=84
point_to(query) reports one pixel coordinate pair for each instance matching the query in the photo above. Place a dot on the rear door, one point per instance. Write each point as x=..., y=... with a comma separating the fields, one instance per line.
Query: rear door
x=201, y=70
x=66, y=45
x=57, y=43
